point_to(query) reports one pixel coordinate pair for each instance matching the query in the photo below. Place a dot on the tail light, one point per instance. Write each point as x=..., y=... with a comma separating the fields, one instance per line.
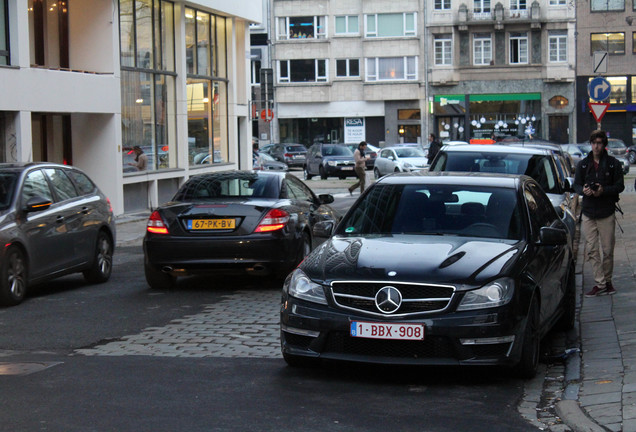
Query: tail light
x=288, y=155
x=274, y=220
x=155, y=224
x=110, y=206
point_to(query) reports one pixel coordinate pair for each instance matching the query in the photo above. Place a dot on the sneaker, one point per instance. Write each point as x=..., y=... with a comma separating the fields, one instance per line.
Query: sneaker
x=595, y=292
x=609, y=290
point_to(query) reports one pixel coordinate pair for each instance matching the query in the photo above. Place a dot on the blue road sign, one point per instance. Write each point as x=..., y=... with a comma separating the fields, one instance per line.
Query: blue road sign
x=599, y=89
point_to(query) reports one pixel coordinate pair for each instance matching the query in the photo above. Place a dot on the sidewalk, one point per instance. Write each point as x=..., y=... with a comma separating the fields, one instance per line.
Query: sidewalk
x=601, y=383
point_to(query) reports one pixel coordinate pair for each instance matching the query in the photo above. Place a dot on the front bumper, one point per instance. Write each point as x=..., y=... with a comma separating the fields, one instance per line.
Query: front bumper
x=481, y=337
x=340, y=171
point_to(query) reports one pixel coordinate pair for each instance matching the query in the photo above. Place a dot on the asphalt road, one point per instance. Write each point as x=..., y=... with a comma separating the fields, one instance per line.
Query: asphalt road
x=204, y=357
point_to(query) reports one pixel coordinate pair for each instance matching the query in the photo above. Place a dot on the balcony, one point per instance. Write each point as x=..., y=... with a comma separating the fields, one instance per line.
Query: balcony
x=499, y=16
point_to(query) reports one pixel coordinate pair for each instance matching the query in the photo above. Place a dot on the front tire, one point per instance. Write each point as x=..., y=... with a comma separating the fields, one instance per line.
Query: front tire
x=323, y=173
x=631, y=156
x=102, y=265
x=13, y=272
x=158, y=280
x=529, y=362
x=306, y=174
x=376, y=173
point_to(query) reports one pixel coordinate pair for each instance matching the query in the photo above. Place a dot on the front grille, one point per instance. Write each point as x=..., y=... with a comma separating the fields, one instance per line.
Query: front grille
x=416, y=298
x=433, y=347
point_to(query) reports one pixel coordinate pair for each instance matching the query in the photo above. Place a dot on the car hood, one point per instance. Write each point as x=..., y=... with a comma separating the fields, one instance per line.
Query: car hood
x=460, y=261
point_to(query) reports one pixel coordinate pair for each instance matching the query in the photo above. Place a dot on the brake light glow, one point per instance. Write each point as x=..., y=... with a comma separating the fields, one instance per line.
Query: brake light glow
x=288, y=155
x=156, y=224
x=274, y=220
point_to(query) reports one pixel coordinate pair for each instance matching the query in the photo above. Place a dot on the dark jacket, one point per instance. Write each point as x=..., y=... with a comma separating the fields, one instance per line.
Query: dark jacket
x=609, y=175
x=433, y=148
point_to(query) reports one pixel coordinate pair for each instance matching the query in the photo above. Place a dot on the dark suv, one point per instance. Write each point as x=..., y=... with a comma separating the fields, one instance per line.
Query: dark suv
x=329, y=160
x=291, y=154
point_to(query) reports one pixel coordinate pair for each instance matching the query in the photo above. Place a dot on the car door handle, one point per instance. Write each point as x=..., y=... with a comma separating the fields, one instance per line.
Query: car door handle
x=59, y=219
x=85, y=210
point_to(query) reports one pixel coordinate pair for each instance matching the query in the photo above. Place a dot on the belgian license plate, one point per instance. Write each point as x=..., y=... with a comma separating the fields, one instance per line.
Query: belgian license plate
x=211, y=224
x=375, y=330
x=347, y=168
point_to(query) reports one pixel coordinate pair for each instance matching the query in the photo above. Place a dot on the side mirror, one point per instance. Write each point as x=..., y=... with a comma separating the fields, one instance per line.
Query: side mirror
x=549, y=236
x=569, y=181
x=326, y=198
x=36, y=204
x=324, y=229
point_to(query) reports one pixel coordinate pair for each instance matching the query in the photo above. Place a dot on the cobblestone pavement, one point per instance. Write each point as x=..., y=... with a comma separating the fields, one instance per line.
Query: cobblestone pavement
x=244, y=324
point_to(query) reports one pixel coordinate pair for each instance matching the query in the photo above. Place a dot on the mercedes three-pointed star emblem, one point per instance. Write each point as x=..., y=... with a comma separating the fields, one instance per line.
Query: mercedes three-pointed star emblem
x=388, y=299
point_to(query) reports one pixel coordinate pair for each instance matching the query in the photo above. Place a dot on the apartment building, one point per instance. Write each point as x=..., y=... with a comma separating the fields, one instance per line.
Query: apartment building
x=463, y=69
x=606, y=26
x=83, y=82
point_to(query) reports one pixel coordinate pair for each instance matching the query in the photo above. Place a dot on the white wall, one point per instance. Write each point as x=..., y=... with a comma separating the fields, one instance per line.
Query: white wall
x=91, y=29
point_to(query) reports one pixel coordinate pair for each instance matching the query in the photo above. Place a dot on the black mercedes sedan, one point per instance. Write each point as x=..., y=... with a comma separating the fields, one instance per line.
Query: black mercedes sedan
x=234, y=222
x=53, y=221
x=434, y=269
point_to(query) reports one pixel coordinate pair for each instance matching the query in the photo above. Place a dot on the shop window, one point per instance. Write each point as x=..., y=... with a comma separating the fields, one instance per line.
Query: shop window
x=347, y=25
x=148, y=83
x=304, y=27
x=618, y=94
x=558, y=47
x=5, y=59
x=482, y=49
x=558, y=102
x=607, y=5
x=391, y=68
x=302, y=71
x=207, y=122
x=347, y=68
x=518, y=48
x=443, y=50
x=613, y=43
x=390, y=25
x=409, y=114
x=634, y=90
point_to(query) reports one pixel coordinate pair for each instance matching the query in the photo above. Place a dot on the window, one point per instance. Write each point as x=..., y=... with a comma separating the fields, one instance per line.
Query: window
x=48, y=32
x=4, y=34
x=348, y=68
x=62, y=184
x=518, y=48
x=305, y=27
x=482, y=49
x=148, y=82
x=607, y=5
x=302, y=71
x=613, y=43
x=391, y=68
x=558, y=102
x=517, y=5
x=390, y=25
x=347, y=25
x=442, y=4
x=443, y=50
x=481, y=8
x=557, y=2
x=255, y=72
x=558, y=47
x=634, y=40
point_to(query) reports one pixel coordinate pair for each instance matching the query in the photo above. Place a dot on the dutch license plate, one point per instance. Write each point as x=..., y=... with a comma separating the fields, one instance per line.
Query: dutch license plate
x=347, y=168
x=211, y=224
x=375, y=330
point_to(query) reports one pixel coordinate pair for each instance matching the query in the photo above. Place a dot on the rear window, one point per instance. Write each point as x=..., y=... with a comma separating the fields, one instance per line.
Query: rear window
x=7, y=186
x=230, y=185
x=474, y=211
x=295, y=149
x=83, y=183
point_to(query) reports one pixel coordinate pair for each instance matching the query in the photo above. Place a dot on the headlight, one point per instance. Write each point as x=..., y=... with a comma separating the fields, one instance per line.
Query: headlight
x=407, y=165
x=331, y=163
x=496, y=293
x=300, y=286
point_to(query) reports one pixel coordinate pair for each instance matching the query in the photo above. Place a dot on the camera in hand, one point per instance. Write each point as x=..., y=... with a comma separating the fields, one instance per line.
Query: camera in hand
x=593, y=186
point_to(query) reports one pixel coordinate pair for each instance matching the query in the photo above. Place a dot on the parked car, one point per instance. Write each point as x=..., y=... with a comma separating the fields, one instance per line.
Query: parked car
x=292, y=154
x=399, y=159
x=53, y=221
x=577, y=151
x=372, y=153
x=263, y=161
x=631, y=154
x=455, y=270
x=250, y=222
x=329, y=160
x=617, y=148
x=538, y=163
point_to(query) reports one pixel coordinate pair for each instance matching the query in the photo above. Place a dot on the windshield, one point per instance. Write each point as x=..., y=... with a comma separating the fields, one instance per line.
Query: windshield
x=408, y=152
x=7, y=186
x=228, y=185
x=476, y=211
x=336, y=151
x=539, y=167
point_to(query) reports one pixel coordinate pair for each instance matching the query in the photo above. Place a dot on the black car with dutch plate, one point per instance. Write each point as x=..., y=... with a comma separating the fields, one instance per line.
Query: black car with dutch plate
x=233, y=222
x=434, y=269
x=53, y=221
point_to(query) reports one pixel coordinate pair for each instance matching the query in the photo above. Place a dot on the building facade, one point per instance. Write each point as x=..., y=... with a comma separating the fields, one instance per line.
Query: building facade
x=84, y=82
x=606, y=27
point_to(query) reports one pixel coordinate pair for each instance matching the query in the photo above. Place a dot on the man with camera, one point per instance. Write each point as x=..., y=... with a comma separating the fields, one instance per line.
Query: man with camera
x=599, y=179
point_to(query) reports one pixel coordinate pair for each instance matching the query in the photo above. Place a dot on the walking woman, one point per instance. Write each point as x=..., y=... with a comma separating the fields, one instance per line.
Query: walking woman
x=360, y=159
